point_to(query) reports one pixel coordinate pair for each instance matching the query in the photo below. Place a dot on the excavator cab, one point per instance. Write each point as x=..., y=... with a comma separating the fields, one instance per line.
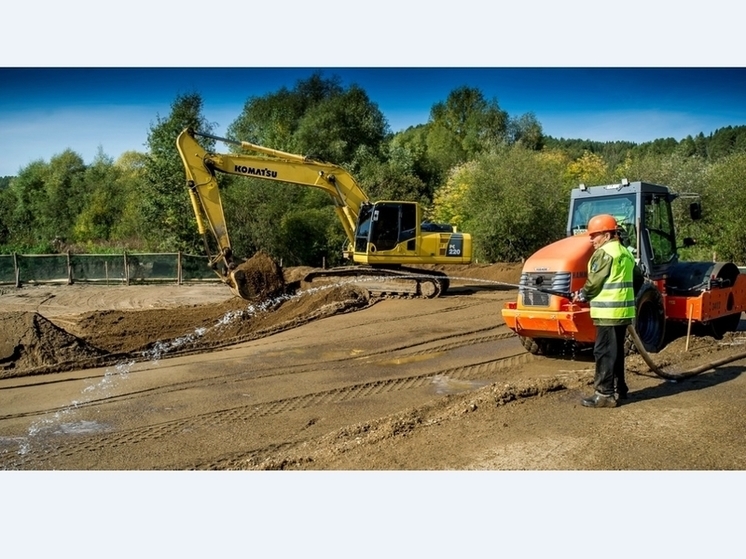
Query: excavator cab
x=383, y=225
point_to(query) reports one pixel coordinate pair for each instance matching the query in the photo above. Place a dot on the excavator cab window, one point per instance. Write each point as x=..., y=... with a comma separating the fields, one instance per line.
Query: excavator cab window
x=363, y=227
x=385, y=226
x=408, y=228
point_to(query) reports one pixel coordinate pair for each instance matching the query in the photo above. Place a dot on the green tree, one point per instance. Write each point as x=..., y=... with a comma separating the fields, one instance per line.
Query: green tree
x=318, y=118
x=527, y=131
x=513, y=202
x=687, y=147
x=166, y=204
x=66, y=195
x=27, y=193
x=48, y=197
x=312, y=237
x=338, y=128
x=392, y=176
x=132, y=228
x=590, y=169
x=448, y=201
x=700, y=145
x=724, y=200
x=103, y=201
x=273, y=119
x=463, y=126
x=321, y=119
x=412, y=144
x=7, y=209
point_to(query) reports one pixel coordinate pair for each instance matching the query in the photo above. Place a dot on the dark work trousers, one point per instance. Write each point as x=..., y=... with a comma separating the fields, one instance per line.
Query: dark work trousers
x=609, y=354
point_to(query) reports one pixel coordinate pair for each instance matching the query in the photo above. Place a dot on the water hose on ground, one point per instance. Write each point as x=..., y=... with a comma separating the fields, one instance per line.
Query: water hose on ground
x=678, y=376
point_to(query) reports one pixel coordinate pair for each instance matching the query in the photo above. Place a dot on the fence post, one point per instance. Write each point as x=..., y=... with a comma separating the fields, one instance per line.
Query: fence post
x=178, y=268
x=16, y=270
x=69, y=270
x=126, y=269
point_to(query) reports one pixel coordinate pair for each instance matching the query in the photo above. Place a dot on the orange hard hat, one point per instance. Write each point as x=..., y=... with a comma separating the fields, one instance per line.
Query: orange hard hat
x=602, y=223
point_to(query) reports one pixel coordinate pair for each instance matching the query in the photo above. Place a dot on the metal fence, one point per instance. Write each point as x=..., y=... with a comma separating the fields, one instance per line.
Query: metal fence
x=123, y=269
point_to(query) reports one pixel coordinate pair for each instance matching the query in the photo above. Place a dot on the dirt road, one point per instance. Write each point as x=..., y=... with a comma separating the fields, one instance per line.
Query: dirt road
x=306, y=383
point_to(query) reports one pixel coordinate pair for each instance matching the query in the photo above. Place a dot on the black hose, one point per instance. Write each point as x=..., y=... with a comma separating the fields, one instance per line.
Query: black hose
x=678, y=376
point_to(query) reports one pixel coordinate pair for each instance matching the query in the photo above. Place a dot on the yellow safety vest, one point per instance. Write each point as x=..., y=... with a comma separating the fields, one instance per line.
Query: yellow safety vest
x=616, y=301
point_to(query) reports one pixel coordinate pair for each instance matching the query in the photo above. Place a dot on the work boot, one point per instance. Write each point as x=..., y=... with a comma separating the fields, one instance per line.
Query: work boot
x=599, y=401
x=622, y=392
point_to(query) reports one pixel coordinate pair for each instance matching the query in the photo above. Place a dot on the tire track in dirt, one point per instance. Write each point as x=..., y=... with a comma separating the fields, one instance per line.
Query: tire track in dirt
x=465, y=340
x=131, y=437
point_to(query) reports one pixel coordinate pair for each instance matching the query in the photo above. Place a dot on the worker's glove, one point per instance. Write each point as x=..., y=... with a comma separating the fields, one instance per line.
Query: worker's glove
x=578, y=296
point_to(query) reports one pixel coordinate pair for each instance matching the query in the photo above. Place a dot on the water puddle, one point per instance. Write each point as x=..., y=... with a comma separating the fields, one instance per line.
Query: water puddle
x=82, y=427
x=408, y=359
x=446, y=385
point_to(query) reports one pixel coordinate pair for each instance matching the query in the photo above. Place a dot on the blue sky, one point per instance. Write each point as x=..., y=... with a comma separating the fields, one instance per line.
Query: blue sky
x=73, y=75
x=43, y=111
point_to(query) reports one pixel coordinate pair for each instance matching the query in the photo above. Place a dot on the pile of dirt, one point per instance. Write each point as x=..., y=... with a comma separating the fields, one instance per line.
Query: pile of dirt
x=284, y=312
x=259, y=278
x=31, y=343
x=125, y=331
x=203, y=327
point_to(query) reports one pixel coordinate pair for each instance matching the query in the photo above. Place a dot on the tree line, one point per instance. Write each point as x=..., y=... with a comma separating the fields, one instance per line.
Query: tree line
x=471, y=164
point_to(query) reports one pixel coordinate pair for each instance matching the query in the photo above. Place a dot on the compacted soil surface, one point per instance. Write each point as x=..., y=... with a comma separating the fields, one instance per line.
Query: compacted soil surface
x=184, y=377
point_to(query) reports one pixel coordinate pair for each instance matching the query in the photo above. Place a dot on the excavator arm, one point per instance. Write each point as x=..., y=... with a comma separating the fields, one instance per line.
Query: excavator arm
x=275, y=165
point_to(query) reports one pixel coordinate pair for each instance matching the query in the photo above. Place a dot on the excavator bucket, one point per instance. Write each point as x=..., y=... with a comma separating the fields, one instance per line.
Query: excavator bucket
x=259, y=278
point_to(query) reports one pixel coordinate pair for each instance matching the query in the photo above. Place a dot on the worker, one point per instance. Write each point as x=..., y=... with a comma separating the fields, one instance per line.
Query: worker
x=609, y=289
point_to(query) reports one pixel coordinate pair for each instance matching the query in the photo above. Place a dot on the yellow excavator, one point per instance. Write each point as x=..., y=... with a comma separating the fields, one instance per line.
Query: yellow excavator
x=385, y=238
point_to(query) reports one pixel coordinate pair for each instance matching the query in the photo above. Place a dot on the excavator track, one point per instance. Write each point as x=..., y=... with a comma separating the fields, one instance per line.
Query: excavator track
x=384, y=282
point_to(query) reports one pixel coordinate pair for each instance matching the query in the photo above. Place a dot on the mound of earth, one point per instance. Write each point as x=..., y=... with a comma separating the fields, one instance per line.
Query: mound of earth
x=29, y=342
x=259, y=278
x=141, y=333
